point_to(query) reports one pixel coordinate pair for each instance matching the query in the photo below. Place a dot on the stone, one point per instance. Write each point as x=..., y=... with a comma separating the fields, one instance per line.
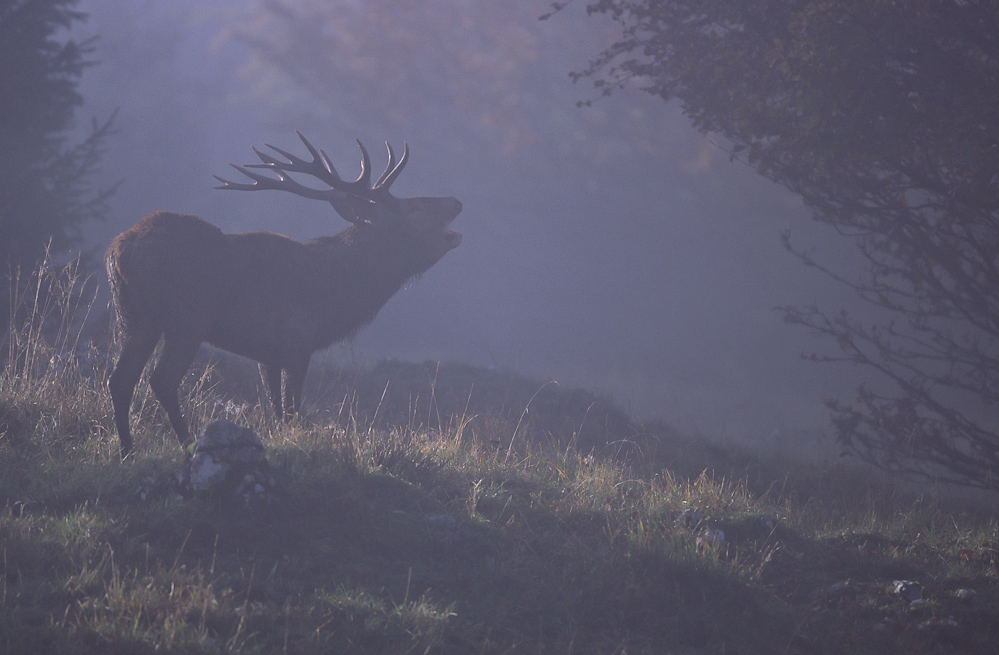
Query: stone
x=710, y=538
x=906, y=590
x=966, y=594
x=229, y=460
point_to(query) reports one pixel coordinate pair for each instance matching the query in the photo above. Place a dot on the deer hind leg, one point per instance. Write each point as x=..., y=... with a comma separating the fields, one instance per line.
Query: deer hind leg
x=135, y=350
x=271, y=377
x=178, y=355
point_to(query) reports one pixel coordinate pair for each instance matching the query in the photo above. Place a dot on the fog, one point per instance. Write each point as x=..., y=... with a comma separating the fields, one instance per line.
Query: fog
x=608, y=246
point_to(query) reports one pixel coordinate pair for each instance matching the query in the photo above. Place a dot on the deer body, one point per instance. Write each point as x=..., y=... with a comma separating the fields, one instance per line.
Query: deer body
x=262, y=295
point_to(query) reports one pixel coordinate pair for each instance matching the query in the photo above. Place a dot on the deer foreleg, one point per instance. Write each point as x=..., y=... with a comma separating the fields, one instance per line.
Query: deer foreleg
x=294, y=385
x=271, y=377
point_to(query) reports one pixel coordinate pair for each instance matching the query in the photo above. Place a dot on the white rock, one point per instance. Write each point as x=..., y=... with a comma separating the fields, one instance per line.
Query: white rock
x=206, y=473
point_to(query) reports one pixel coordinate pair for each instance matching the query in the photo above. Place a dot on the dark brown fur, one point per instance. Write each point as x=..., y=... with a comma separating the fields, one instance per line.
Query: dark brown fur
x=260, y=295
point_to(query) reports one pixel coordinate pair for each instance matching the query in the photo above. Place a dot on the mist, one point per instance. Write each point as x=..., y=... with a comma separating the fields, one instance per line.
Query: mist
x=608, y=246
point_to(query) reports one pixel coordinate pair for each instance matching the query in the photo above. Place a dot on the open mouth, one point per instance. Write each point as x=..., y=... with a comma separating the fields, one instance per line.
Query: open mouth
x=453, y=237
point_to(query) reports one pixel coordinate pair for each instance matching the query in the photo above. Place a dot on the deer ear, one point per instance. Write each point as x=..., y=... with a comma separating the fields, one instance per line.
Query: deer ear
x=353, y=209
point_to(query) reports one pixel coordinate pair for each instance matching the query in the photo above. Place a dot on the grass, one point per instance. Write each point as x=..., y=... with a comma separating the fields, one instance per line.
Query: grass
x=450, y=509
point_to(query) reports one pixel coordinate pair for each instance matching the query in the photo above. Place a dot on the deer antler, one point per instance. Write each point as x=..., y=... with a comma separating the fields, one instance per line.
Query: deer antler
x=347, y=198
x=392, y=169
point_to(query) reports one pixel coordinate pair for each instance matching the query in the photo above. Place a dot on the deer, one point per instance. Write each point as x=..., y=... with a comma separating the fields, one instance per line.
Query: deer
x=261, y=295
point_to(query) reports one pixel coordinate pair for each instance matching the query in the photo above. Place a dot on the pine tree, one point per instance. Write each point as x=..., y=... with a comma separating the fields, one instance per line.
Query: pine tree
x=46, y=196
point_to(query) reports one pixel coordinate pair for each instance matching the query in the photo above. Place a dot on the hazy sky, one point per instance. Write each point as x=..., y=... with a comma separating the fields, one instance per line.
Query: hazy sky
x=610, y=246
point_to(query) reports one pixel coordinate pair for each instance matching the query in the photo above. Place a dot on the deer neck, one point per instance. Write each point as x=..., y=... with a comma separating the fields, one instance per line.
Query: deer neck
x=367, y=272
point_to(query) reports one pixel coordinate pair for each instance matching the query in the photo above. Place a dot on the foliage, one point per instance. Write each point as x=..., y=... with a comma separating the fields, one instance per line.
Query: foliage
x=473, y=79
x=881, y=115
x=363, y=48
x=45, y=193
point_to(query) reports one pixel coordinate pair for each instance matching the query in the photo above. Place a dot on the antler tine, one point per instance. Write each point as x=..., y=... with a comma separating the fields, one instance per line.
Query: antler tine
x=388, y=166
x=389, y=176
x=293, y=161
x=226, y=184
x=321, y=159
x=264, y=157
x=320, y=162
x=316, y=168
x=328, y=164
x=241, y=186
x=322, y=167
x=365, y=175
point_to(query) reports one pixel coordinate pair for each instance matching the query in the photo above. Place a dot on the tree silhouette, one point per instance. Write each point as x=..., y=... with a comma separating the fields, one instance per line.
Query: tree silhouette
x=45, y=195
x=881, y=115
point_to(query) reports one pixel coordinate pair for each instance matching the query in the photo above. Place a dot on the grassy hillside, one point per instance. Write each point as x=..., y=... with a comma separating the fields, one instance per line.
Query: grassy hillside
x=449, y=509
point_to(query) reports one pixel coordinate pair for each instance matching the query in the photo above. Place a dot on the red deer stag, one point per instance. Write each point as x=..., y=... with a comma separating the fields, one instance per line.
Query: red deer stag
x=262, y=295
